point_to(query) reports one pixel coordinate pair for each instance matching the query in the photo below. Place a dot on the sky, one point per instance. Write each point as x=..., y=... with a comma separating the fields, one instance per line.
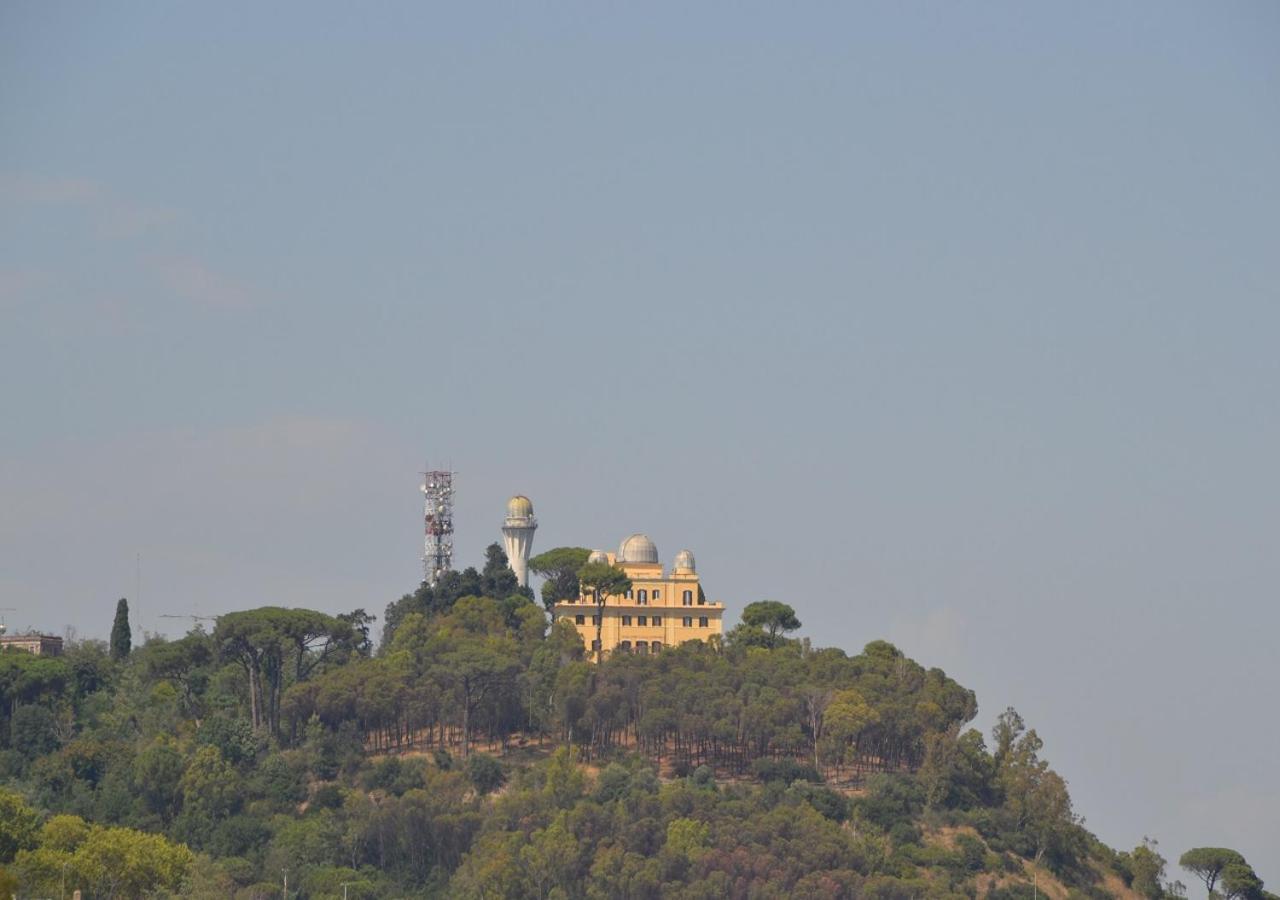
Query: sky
x=955, y=325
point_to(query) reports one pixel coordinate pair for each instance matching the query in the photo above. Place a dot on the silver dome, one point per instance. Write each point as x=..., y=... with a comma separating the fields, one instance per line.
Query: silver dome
x=598, y=556
x=638, y=549
x=684, y=560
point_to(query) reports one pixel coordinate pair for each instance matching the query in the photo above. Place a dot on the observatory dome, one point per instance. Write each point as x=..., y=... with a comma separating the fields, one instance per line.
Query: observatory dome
x=519, y=507
x=638, y=549
x=598, y=556
x=684, y=562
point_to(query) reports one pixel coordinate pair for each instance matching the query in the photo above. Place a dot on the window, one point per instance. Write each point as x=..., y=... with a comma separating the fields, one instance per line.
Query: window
x=626, y=620
x=656, y=646
x=702, y=621
x=642, y=620
x=627, y=594
x=657, y=594
x=657, y=620
x=642, y=647
x=642, y=596
x=687, y=598
x=595, y=645
x=688, y=621
x=595, y=620
x=625, y=646
x=580, y=619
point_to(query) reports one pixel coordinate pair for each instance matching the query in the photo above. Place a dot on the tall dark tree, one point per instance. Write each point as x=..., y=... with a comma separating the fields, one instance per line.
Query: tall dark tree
x=121, y=635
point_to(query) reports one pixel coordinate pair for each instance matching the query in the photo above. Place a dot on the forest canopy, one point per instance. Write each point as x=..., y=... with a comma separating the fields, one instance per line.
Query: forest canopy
x=479, y=753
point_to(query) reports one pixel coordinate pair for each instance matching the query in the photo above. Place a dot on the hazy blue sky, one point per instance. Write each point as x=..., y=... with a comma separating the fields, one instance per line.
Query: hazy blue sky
x=952, y=324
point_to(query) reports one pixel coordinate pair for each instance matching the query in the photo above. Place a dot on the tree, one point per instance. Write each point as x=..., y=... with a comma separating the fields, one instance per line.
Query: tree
x=560, y=567
x=485, y=773
x=602, y=580
x=497, y=579
x=1240, y=882
x=19, y=825
x=1208, y=863
x=1146, y=865
x=264, y=640
x=771, y=616
x=121, y=635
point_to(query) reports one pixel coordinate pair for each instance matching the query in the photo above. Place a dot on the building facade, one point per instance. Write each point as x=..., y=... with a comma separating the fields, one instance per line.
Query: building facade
x=38, y=644
x=662, y=609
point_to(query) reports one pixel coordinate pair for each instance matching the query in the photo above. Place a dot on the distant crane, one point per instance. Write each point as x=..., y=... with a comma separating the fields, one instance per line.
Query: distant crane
x=195, y=620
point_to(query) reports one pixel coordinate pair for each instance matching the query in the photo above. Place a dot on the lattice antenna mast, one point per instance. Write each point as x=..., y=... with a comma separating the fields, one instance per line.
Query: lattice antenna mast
x=437, y=548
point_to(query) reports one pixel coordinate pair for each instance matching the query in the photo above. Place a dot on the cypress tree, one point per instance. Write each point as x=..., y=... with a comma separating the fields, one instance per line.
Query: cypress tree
x=121, y=635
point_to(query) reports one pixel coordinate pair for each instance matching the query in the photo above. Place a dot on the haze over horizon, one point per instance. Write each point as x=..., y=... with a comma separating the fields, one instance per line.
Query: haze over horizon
x=953, y=327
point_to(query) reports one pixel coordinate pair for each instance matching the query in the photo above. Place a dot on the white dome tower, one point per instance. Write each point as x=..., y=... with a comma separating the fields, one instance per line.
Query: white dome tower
x=517, y=534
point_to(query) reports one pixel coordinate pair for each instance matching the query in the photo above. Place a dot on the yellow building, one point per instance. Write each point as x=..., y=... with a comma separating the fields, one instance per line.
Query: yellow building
x=661, y=609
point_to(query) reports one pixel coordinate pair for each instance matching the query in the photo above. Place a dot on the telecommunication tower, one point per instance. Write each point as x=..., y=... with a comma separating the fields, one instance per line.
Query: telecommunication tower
x=437, y=548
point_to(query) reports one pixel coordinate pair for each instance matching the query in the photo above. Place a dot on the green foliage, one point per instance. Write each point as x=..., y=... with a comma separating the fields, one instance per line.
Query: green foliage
x=479, y=753
x=1145, y=868
x=559, y=567
x=485, y=773
x=104, y=862
x=1208, y=863
x=771, y=617
x=19, y=825
x=600, y=581
x=121, y=633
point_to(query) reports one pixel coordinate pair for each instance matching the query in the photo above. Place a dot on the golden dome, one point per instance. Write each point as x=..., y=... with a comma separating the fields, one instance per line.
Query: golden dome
x=519, y=507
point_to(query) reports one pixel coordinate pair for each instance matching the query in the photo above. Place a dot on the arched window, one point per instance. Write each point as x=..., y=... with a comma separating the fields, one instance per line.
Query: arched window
x=656, y=646
x=642, y=596
x=687, y=598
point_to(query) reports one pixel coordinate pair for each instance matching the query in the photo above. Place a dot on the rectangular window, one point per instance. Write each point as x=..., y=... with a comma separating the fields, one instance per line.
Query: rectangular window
x=702, y=621
x=687, y=598
x=595, y=645
x=626, y=620
x=595, y=620
x=657, y=620
x=657, y=594
x=642, y=620
x=656, y=646
x=580, y=619
x=628, y=594
x=688, y=621
x=642, y=596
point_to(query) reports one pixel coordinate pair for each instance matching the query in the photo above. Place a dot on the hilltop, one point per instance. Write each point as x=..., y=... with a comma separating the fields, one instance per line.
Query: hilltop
x=479, y=753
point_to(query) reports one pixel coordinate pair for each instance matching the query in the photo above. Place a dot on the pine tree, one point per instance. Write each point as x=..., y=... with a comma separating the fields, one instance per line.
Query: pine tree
x=121, y=636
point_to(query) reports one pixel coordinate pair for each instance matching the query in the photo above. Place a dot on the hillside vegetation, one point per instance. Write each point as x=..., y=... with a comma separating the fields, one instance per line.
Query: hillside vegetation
x=478, y=754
